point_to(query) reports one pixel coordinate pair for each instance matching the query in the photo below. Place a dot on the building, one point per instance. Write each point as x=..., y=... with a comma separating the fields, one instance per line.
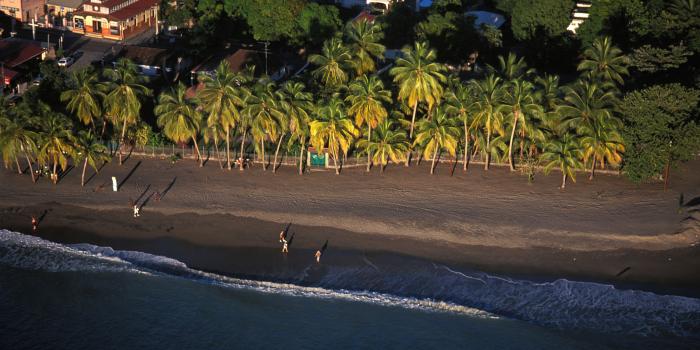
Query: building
x=23, y=10
x=115, y=19
x=579, y=15
x=61, y=11
x=16, y=58
x=150, y=61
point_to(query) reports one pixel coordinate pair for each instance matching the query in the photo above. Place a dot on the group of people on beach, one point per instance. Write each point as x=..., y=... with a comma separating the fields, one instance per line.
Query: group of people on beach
x=286, y=243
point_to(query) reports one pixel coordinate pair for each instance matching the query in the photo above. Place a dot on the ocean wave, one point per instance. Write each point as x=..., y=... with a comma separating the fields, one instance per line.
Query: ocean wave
x=560, y=304
x=29, y=252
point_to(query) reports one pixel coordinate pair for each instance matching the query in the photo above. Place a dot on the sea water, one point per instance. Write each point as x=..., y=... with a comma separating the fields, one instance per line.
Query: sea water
x=55, y=296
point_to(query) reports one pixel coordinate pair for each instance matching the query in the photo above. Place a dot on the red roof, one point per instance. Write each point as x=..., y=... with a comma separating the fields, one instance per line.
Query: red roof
x=132, y=10
x=122, y=14
x=14, y=52
x=236, y=60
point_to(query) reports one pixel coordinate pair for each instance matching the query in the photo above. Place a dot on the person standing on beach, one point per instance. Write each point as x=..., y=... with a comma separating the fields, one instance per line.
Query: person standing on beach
x=283, y=236
x=35, y=223
x=320, y=252
x=285, y=246
x=136, y=211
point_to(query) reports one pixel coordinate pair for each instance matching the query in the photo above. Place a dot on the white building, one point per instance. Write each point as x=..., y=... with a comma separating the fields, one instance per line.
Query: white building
x=579, y=15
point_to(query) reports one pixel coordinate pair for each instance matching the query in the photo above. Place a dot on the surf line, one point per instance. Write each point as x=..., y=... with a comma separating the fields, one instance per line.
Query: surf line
x=458, y=273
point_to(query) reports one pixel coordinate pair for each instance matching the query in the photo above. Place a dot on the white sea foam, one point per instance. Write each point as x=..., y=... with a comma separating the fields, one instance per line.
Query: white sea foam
x=561, y=304
x=29, y=252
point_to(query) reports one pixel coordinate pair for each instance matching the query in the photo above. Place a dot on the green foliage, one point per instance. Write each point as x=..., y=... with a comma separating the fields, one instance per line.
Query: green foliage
x=530, y=18
x=316, y=23
x=451, y=33
x=651, y=59
x=661, y=129
x=268, y=19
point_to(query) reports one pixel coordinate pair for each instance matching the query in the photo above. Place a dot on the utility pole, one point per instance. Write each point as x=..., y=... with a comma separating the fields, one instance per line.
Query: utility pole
x=266, y=44
x=2, y=72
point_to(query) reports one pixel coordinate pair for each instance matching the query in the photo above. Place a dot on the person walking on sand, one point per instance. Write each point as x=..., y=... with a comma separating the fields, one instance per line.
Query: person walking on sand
x=320, y=252
x=35, y=223
x=136, y=211
x=285, y=246
x=157, y=196
x=283, y=236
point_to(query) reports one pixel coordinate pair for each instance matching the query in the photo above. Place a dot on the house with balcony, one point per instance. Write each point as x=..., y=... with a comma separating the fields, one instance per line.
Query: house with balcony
x=61, y=12
x=115, y=19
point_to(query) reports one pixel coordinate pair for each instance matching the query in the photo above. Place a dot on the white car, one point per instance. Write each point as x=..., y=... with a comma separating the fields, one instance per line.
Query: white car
x=66, y=62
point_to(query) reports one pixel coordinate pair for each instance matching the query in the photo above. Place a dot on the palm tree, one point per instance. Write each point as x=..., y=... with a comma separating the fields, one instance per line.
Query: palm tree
x=178, y=117
x=85, y=96
x=332, y=62
x=419, y=78
x=214, y=134
x=91, y=151
x=124, y=99
x=16, y=138
x=584, y=103
x=438, y=133
x=332, y=129
x=602, y=141
x=519, y=102
x=387, y=142
x=221, y=99
x=489, y=96
x=366, y=99
x=55, y=143
x=364, y=37
x=461, y=103
x=268, y=118
x=298, y=105
x=602, y=60
x=563, y=152
x=511, y=67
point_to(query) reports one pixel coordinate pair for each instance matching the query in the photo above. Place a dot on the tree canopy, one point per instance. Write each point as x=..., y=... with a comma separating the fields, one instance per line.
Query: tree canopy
x=661, y=128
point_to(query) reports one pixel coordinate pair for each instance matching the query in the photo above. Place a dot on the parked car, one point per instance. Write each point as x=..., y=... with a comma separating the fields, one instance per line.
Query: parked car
x=66, y=62
x=37, y=80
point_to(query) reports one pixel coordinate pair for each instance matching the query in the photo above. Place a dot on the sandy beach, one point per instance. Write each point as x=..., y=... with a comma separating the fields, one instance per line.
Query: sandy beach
x=607, y=230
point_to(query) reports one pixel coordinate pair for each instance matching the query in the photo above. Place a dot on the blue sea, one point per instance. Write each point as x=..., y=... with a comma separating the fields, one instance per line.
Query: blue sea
x=81, y=296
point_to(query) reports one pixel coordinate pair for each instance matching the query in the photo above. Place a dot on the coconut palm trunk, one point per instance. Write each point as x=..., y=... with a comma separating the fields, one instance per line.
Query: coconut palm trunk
x=369, y=139
x=19, y=168
x=301, y=157
x=563, y=179
x=54, y=176
x=413, y=120
x=199, y=155
x=82, y=177
x=335, y=163
x=466, y=146
x=240, y=165
x=31, y=169
x=262, y=153
x=592, y=168
x=488, y=148
x=277, y=151
x=432, y=166
x=512, y=137
x=121, y=142
x=228, y=148
x=218, y=154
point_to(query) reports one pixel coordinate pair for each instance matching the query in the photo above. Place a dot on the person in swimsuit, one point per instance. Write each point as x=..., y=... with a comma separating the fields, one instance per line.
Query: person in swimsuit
x=35, y=223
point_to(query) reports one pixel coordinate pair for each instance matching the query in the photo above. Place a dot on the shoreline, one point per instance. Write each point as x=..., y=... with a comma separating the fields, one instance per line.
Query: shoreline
x=606, y=230
x=248, y=248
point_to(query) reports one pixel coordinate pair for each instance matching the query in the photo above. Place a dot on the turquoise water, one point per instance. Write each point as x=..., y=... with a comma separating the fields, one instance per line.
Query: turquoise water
x=61, y=297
